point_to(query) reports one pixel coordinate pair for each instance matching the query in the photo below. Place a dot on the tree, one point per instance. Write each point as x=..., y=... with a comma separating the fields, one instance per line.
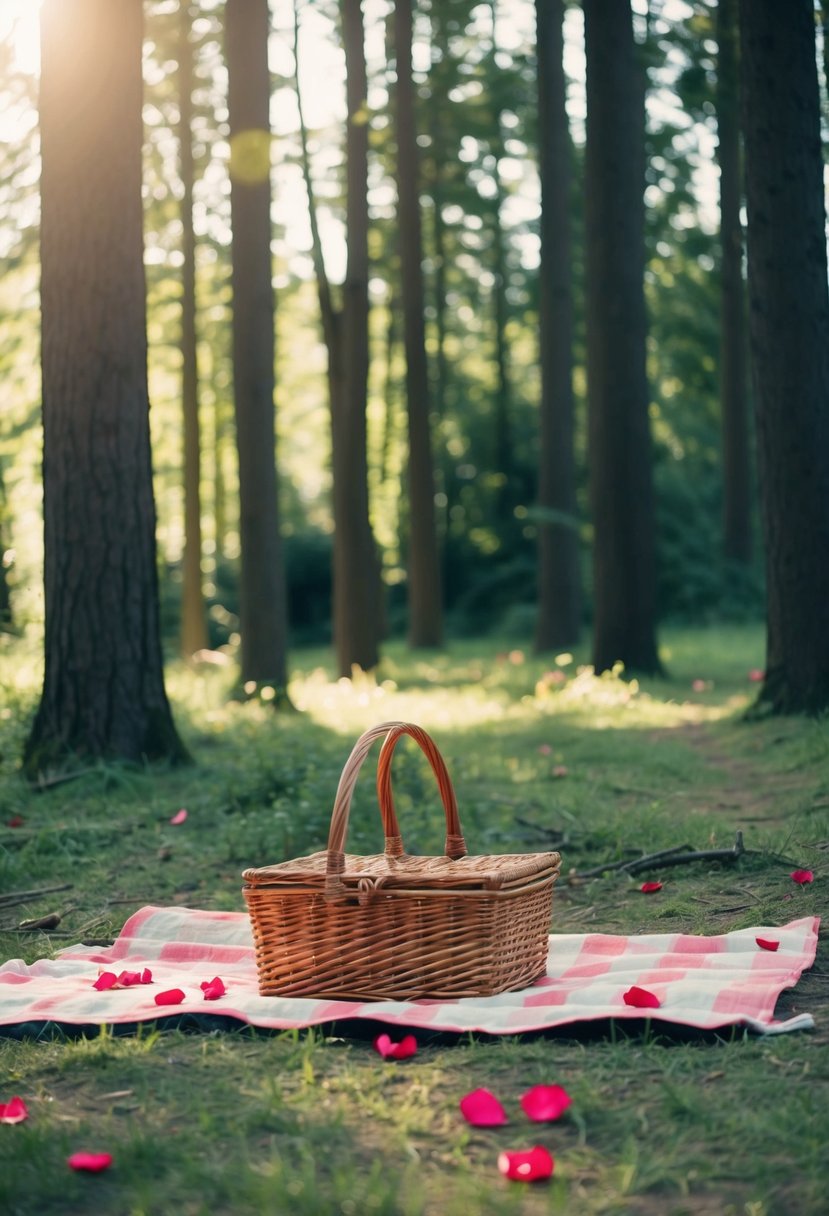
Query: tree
x=345, y=332
x=262, y=597
x=193, y=619
x=103, y=690
x=559, y=584
x=789, y=336
x=425, y=619
x=736, y=455
x=621, y=492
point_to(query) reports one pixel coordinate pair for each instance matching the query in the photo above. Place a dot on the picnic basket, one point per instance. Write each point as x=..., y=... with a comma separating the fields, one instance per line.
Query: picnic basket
x=393, y=925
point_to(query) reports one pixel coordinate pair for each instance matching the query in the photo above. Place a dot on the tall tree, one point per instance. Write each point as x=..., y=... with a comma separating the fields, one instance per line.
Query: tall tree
x=559, y=583
x=789, y=334
x=621, y=491
x=193, y=617
x=357, y=613
x=425, y=616
x=262, y=595
x=736, y=456
x=103, y=690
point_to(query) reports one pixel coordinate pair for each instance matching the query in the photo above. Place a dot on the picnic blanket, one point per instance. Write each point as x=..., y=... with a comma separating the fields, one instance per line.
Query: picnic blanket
x=704, y=982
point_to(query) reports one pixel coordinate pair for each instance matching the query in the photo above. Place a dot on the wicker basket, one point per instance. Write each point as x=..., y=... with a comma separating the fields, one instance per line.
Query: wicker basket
x=394, y=926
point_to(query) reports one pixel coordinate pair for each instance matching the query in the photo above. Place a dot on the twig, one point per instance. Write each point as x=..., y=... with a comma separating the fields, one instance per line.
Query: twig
x=680, y=855
x=46, y=783
x=625, y=865
x=21, y=897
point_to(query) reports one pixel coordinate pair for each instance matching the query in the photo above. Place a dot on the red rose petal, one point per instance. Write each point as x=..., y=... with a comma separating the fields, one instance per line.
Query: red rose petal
x=172, y=996
x=13, y=1111
x=756, y=675
x=213, y=989
x=544, y=1103
x=107, y=979
x=802, y=876
x=640, y=998
x=482, y=1109
x=16, y=821
x=92, y=1163
x=146, y=976
x=179, y=816
x=648, y=888
x=529, y=1166
x=767, y=943
x=127, y=979
x=395, y=1051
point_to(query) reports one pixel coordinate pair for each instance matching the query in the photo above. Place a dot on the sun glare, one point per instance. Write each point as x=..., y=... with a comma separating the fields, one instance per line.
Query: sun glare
x=19, y=25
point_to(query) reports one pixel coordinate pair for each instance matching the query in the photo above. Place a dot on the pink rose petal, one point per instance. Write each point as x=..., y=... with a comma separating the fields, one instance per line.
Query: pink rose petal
x=560, y=770
x=107, y=979
x=146, y=976
x=179, y=816
x=13, y=1111
x=756, y=675
x=92, y=1163
x=802, y=876
x=172, y=996
x=528, y=1166
x=544, y=1103
x=213, y=989
x=127, y=979
x=767, y=943
x=395, y=1051
x=640, y=998
x=482, y=1109
x=648, y=888
x=545, y=749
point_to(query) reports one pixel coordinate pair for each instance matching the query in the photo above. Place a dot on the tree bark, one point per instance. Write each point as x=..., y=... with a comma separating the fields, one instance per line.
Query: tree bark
x=262, y=600
x=193, y=617
x=736, y=459
x=559, y=582
x=103, y=690
x=789, y=335
x=621, y=490
x=425, y=616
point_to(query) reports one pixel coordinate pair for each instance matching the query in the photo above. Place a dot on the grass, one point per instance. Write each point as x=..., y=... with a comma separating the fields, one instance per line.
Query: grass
x=235, y=1121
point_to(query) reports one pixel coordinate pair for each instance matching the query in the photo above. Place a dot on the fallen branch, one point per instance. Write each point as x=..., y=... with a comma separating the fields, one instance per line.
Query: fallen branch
x=680, y=855
x=21, y=897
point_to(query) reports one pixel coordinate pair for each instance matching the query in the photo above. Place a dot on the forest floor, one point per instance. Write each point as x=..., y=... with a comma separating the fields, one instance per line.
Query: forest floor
x=541, y=755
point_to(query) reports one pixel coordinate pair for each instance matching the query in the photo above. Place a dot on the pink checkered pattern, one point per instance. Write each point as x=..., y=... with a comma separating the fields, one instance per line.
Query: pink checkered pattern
x=707, y=982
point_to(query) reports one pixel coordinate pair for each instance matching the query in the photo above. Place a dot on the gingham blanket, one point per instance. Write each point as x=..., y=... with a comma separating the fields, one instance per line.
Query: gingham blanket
x=705, y=982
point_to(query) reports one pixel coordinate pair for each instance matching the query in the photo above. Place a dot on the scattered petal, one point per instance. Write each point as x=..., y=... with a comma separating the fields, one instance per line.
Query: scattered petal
x=699, y=685
x=529, y=1166
x=92, y=1163
x=756, y=675
x=482, y=1109
x=146, y=976
x=560, y=770
x=544, y=1103
x=179, y=816
x=213, y=989
x=107, y=979
x=648, y=888
x=767, y=943
x=802, y=876
x=171, y=996
x=16, y=821
x=640, y=998
x=395, y=1051
x=13, y=1111
x=127, y=979
x=545, y=750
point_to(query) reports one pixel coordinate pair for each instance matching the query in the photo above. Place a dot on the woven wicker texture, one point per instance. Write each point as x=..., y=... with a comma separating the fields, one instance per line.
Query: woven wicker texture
x=395, y=925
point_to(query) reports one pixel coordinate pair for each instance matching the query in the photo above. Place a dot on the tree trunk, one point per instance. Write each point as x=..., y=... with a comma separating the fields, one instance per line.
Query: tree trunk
x=262, y=599
x=621, y=489
x=193, y=618
x=733, y=404
x=559, y=582
x=103, y=690
x=789, y=334
x=425, y=618
x=6, y=619
x=503, y=462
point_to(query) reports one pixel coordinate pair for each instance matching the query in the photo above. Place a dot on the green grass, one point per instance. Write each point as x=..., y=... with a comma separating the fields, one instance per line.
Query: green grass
x=232, y=1121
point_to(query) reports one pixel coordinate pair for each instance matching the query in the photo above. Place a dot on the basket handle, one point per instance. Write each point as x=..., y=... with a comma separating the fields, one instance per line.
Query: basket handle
x=335, y=863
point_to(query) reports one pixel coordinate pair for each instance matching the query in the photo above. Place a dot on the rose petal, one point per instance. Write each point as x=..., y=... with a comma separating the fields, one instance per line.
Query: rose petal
x=482, y=1109
x=767, y=943
x=802, y=876
x=13, y=1111
x=172, y=996
x=107, y=979
x=213, y=989
x=640, y=998
x=560, y=770
x=395, y=1051
x=93, y=1163
x=756, y=675
x=146, y=976
x=545, y=749
x=648, y=888
x=16, y=821
x=544, y=1103
x=179, y=816
x=528, y=1166
x=127, y=979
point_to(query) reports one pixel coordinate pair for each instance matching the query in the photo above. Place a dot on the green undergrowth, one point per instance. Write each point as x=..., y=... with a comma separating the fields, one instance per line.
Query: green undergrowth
x=542, y=754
